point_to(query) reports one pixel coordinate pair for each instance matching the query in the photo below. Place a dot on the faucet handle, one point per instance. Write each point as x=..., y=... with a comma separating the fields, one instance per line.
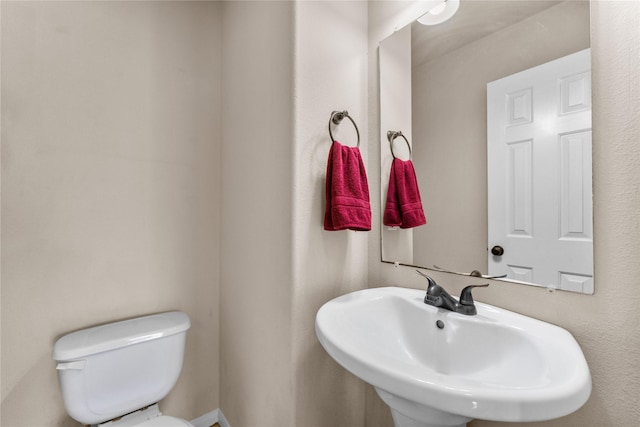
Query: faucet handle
x=465, y=296
x=431, y=282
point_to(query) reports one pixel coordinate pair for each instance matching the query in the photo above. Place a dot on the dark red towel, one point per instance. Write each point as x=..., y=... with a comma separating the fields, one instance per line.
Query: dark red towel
x=403, y=207
x=347, y=190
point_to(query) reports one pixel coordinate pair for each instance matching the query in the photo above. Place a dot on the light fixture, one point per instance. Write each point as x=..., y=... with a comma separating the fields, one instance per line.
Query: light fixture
x=440, y=13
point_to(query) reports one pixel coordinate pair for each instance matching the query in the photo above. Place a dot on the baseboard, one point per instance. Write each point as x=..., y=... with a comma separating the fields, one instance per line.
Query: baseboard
x=210, y=418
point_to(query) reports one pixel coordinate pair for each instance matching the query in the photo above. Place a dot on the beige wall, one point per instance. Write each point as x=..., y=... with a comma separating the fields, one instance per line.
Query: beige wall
x=110, y=186
x=256, y=376
x=286, y=67
x=127, y=170
x=331, y=74
x=606, y=323
x=450, y=128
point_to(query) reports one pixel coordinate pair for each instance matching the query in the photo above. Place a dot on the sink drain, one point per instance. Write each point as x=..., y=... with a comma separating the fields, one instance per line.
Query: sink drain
x=440, y=324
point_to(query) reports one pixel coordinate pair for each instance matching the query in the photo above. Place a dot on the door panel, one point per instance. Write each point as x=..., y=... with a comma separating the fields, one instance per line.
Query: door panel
x=539, y=174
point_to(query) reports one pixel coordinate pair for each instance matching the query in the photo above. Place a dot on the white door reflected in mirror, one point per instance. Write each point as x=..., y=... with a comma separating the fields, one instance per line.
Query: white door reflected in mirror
x=539, y=154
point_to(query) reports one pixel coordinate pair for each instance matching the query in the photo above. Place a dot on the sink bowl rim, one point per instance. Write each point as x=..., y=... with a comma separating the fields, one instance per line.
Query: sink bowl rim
x=459, y=395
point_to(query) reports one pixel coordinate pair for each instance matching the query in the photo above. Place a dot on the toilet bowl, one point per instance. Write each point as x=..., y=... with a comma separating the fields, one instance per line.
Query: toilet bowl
x=148, y=417
x=165, y=421
x=114, y=375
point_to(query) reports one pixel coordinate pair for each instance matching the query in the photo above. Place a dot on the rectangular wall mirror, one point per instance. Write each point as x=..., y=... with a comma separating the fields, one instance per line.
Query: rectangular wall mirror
x=496, y=104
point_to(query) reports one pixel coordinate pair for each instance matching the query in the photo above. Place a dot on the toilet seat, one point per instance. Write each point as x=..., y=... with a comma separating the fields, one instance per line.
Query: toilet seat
x=165, y=421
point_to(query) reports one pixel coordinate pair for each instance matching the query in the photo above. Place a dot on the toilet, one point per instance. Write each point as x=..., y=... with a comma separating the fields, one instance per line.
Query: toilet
x=114, y=375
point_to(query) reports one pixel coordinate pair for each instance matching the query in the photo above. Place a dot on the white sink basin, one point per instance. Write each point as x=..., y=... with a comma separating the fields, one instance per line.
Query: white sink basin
x=496, y=365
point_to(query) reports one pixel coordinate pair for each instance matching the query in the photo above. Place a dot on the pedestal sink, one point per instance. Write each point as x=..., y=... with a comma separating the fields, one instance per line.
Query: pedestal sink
x=434, y=367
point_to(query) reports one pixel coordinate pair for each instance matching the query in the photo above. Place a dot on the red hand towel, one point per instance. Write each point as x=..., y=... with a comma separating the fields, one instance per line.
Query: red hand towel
x=403, y=207
x=347, y=190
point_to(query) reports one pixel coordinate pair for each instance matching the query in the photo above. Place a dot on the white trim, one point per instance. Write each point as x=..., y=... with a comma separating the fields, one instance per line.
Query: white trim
x=210, y=418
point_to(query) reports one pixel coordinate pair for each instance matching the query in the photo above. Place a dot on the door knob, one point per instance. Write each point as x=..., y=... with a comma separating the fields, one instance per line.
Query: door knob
x=497, y=250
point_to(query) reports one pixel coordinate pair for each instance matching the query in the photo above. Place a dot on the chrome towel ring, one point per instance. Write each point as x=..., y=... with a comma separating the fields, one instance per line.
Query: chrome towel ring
x=337, y=117
x=392, y=135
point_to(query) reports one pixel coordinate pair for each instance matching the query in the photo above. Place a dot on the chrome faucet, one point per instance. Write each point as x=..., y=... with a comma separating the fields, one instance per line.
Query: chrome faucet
x=437, y=296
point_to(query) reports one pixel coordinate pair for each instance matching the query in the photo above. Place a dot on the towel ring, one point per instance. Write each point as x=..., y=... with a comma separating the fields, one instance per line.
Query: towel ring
x=392, y=135
x=337, y=117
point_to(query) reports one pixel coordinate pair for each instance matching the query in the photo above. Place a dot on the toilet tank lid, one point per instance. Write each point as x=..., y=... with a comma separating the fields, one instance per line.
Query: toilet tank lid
x=111, y=336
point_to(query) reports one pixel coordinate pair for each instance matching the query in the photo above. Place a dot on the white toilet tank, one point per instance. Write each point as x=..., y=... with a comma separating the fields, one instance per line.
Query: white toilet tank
x=111, y=370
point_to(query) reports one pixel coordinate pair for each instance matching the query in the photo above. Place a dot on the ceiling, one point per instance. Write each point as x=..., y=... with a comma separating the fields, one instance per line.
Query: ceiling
x=474, y=20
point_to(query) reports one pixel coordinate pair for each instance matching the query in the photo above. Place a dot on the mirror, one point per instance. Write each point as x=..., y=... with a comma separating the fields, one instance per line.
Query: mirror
x=456, y=90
